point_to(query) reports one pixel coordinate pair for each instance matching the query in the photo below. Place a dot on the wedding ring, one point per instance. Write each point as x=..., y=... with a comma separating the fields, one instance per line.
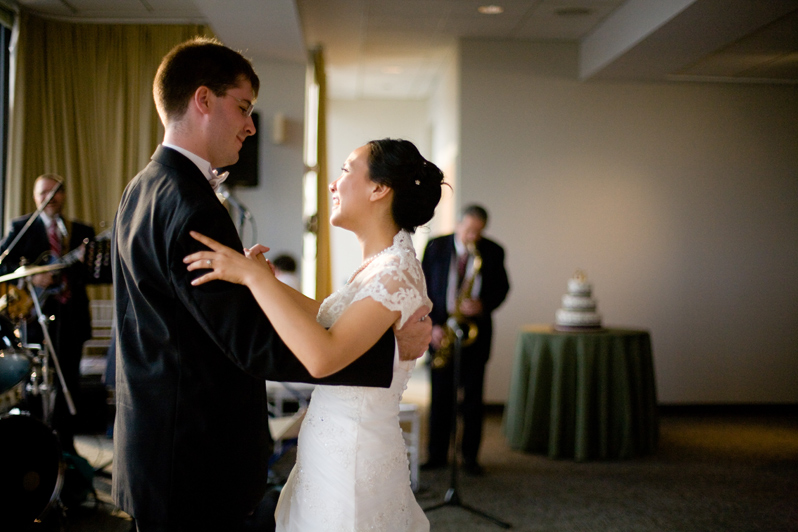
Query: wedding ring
x=209, y=262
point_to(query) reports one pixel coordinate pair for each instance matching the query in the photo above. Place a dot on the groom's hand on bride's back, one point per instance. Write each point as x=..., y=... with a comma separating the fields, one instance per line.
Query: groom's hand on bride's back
x=414, y=337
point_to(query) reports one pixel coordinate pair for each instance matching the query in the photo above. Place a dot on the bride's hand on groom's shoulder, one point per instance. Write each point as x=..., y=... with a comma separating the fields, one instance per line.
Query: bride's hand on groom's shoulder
x=225, y=263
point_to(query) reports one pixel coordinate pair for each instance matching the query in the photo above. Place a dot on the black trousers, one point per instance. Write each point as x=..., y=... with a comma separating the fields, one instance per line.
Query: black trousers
x=261, y=520
x=472, y=378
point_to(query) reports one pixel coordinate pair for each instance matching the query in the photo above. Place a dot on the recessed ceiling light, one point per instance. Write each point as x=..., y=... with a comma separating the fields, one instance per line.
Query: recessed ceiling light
x=490, y=10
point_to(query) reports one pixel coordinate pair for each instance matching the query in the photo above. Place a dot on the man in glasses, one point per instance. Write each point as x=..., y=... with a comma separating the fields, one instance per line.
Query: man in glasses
x=191, y=435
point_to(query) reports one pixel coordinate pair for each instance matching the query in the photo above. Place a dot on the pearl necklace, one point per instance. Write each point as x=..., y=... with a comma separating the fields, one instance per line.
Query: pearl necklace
x=366, y=263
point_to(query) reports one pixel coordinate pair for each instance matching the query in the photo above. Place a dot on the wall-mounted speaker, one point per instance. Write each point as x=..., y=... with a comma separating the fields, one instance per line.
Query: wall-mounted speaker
x=244, y=173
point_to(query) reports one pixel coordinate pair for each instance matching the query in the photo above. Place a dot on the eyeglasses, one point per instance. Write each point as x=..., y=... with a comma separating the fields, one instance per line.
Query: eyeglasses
x=250, y=105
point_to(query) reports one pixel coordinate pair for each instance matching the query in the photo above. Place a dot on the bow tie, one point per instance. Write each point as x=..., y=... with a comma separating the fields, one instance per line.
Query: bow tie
x=217, y=178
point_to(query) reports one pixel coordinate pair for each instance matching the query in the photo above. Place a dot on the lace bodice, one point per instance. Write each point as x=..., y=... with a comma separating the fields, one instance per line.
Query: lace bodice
x=352, y=469
x=394, y=279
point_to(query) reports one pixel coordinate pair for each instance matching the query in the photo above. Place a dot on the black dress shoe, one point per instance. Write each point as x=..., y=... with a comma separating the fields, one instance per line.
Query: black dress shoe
x=432, y=465
x=473, y=469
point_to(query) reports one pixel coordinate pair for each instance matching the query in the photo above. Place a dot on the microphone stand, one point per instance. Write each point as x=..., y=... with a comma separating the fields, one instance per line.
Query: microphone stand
x=50, y=351
x=452, y=498
x=244, y=214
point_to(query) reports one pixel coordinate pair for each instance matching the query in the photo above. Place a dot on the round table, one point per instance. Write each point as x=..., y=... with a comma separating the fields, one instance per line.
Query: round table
x=585, y=395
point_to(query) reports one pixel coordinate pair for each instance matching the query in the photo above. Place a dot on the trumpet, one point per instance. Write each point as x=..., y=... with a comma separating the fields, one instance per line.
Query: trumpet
x=444, y=353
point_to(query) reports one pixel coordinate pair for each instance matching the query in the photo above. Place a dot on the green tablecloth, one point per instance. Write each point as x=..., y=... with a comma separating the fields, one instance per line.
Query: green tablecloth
x=582, y=395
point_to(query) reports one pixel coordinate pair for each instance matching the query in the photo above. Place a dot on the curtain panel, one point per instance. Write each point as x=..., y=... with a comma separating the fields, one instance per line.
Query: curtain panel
x=83, y=108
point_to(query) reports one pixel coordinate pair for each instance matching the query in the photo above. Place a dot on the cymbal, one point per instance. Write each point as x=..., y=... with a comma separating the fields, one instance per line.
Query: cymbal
x=27, y=271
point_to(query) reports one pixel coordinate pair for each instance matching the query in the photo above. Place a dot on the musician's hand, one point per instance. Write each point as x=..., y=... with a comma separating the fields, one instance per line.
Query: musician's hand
x=414, y=337
x=437, y=336
x=80, y=251
x=471, y=307
x=42, y=280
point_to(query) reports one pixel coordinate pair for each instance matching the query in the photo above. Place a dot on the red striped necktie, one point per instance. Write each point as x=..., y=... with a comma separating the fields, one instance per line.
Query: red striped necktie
x=54, y=236
x=56, y=245
x=462, y=262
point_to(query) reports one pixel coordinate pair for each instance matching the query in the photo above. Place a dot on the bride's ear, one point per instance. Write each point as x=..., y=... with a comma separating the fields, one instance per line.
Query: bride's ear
x=380, y=191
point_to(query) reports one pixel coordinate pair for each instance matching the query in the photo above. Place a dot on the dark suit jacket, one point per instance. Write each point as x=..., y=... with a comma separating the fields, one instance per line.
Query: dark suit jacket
x=495, y=285
x=32, y=246
x=191, y=437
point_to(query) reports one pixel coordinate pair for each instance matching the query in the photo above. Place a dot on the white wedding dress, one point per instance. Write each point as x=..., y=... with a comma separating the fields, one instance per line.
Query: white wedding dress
x=352, y=472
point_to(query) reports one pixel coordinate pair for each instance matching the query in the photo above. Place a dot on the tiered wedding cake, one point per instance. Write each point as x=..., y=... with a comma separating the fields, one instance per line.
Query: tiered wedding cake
x=578, y=306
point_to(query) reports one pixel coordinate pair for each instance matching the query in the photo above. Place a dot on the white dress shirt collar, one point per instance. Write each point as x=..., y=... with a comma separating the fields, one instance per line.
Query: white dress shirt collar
x=459, y=247
x=203, y=165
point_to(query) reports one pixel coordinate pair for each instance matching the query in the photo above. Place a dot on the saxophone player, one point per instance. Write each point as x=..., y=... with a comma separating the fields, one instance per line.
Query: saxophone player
x=469, y=286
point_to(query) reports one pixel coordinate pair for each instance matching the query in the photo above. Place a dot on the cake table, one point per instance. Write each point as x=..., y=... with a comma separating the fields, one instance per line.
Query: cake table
x=586, y=395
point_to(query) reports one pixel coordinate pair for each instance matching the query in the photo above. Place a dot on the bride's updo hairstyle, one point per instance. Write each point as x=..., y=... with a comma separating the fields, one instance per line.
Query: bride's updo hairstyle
x=415, y=181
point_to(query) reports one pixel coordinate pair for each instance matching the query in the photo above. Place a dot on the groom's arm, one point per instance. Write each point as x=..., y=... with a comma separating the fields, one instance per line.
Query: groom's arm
x=375, y=366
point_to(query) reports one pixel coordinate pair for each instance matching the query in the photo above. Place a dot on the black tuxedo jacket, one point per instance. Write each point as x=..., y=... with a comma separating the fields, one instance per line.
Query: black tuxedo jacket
x=495, y=285
x=191, y=437
x=33, y=245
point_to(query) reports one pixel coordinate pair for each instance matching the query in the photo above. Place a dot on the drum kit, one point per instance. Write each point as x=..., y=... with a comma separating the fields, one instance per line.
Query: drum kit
x=33, y=465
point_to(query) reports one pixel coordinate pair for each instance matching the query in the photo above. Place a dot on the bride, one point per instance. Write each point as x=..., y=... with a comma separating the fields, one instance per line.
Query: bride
x=351, y=472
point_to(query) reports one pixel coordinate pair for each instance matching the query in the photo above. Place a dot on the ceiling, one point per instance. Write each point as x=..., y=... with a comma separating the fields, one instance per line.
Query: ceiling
x=396, y=48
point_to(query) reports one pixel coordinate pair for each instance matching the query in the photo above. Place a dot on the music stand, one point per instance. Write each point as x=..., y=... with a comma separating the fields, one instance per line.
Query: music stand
x=452, y=498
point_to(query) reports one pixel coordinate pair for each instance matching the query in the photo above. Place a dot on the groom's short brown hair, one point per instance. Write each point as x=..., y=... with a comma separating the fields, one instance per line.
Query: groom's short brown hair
x=202, y=61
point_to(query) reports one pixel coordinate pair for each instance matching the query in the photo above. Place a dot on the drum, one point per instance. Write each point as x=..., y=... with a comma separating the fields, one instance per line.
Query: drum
x=15, y=367
x=14, y=372
x=9, y=339
x=33, y=470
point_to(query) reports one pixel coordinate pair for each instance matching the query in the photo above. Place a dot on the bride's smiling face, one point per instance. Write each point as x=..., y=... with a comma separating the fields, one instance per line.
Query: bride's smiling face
x=351, y=191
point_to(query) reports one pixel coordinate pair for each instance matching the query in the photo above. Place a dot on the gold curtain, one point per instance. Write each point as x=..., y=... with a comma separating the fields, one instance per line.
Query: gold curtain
x=323, y=255
x=83, y=109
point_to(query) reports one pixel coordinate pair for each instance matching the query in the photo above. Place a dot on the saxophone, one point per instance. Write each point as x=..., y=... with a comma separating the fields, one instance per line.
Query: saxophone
x=444, y=353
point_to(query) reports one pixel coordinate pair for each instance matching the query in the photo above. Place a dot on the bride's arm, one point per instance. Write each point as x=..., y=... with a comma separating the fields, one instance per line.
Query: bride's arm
x=310, y=305
x=322, y=351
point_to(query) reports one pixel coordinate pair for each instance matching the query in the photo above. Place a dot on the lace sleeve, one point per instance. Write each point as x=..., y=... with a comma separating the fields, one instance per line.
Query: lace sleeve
x=396, y=281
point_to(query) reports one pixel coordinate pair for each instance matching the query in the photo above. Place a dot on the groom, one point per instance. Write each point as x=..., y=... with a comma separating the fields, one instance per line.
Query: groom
x=191, y=435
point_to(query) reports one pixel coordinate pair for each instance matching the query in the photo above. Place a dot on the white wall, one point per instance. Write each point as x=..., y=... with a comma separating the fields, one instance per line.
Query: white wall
x=350, y=124
x=276, y=203
x=680, y=201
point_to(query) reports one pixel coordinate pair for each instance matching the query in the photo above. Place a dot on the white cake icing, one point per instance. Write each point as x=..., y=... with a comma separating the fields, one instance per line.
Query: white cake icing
x=578, y=302
x=578, y=285
x=578, y=306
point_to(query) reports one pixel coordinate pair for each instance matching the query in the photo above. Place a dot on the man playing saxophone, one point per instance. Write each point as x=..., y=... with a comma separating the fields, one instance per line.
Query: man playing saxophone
x=466, y=280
